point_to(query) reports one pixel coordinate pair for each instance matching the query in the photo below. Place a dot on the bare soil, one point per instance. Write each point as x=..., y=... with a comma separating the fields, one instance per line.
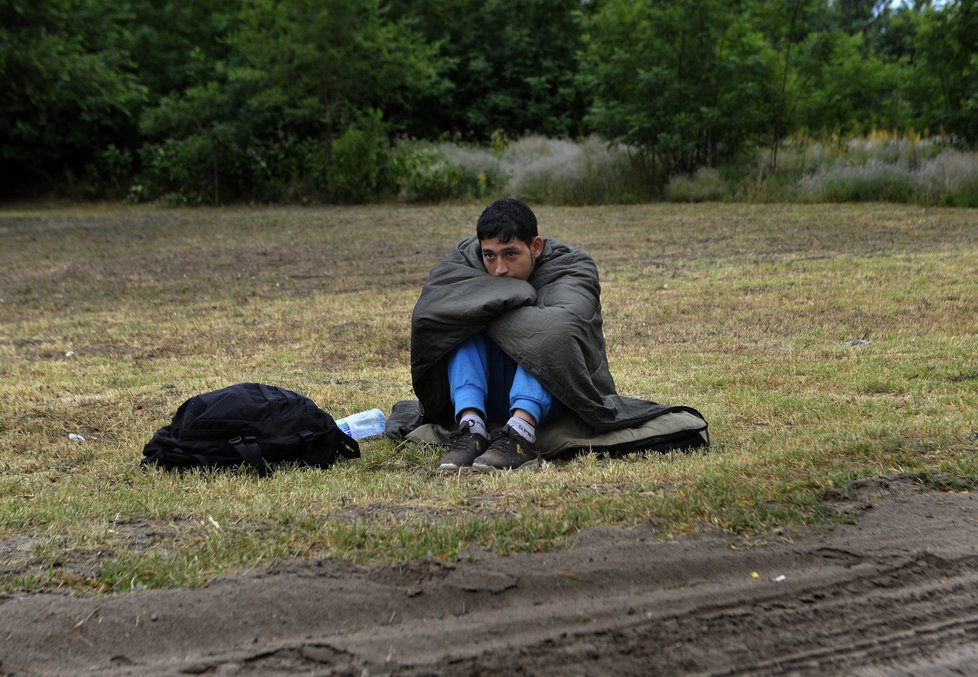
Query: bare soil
x=894, y=591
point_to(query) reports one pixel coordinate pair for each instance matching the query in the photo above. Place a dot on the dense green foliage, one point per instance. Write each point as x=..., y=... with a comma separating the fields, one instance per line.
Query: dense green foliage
x=511, y=65
x=294, y=100
x=68, y=95
x=686, y=82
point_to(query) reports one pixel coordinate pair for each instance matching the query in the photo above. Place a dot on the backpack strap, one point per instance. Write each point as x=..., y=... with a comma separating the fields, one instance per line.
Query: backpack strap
x=347, y=446
x=176, y=458
x=250, y=452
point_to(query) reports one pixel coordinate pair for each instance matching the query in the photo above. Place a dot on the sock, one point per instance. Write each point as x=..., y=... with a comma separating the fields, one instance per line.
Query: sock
x=476, y=425
x=526, y=429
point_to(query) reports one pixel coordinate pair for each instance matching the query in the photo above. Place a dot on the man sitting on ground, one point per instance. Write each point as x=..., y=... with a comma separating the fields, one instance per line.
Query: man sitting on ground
x=508, y=332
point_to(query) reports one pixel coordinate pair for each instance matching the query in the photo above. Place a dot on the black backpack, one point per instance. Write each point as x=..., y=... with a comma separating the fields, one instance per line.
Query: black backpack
x=249, y=423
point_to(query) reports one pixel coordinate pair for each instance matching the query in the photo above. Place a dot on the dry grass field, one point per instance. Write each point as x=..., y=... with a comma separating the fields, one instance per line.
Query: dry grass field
x=823, y=343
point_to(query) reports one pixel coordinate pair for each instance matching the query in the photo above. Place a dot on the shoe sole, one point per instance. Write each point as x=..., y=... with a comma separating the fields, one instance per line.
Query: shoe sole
x=453, y=469
x=489, y=468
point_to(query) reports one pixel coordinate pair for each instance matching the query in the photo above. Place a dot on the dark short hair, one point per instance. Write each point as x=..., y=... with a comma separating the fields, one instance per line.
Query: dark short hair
x=505, y=219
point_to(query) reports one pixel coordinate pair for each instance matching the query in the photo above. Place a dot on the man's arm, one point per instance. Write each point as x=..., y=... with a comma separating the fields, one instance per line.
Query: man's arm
x=457, y=301
x=560, y=338
x=568, y=299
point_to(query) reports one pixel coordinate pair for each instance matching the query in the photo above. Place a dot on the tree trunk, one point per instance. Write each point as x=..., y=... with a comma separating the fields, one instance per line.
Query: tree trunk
x=779, y=123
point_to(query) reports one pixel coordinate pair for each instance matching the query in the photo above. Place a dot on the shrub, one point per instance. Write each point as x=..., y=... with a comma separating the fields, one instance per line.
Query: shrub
x=535, y=168
x=360, y=158
x=874, y=180
x=423, y=174
x=949, y=178
x=179, y=170
x=704, y=185
x=482, y=167
x=290, y=170
x=109, y=171
x=567, y=172
x=199, y=169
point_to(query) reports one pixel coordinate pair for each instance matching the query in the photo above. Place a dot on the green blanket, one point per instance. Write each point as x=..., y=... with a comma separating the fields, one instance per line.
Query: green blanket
x=550, y=324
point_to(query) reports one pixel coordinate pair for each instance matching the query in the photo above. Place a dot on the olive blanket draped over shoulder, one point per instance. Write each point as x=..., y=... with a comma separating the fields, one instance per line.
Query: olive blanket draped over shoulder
x=550, y=324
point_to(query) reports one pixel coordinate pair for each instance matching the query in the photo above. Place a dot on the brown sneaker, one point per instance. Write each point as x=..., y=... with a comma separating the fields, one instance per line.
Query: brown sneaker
x=508, y=451
x=464, y=446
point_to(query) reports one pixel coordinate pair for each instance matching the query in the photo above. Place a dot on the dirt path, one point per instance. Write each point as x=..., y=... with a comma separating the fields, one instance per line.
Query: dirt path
x=892, y=593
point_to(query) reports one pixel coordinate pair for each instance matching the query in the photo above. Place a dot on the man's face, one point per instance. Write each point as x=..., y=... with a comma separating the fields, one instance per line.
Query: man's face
x=510, y=259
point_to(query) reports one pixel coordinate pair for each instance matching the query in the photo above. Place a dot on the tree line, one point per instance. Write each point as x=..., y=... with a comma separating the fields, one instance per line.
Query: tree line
x=292, y=100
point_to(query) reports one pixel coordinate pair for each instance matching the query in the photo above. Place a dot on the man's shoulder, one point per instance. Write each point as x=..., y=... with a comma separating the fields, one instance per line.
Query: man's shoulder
x=466, y=250
x=560, y=252
x=564, y=264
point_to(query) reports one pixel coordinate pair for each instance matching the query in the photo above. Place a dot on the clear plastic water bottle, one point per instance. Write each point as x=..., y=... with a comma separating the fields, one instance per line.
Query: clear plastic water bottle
x=364, y=424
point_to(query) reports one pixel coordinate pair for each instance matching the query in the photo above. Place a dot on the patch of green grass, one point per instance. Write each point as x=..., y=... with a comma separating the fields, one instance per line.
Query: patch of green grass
x=111, y=317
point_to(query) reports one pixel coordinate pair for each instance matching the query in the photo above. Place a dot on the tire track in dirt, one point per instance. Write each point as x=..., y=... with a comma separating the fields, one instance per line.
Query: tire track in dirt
x=921, y=608
x=925, y=607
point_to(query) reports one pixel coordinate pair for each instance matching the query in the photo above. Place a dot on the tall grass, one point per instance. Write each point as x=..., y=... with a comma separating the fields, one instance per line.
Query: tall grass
x=884, y=168
x=949, y=178
x=878, y=167
x=872, y=181
x=703, y=185
x=539, y=169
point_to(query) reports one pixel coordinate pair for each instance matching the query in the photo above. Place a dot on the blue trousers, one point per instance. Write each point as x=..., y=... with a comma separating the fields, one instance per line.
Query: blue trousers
x=483, y=377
